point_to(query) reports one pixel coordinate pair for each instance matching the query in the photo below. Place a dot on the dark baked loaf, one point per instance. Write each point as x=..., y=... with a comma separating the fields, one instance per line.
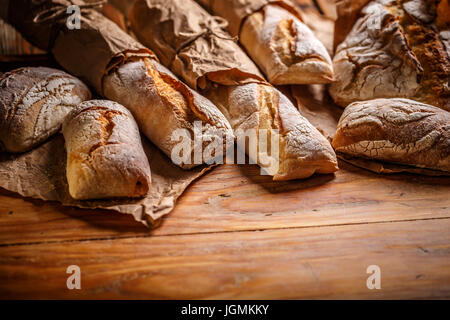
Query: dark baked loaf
x=396, y=130
x=396, y=49
x=34, y=103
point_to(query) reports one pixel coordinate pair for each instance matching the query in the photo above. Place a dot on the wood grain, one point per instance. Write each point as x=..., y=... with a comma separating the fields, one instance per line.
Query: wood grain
x=325, y=262
x=234, y=198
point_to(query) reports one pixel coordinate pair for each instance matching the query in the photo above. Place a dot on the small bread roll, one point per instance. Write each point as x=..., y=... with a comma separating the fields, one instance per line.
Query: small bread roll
x=285, y=48
x=33, y=105
x=396, y=130
x=105, y=157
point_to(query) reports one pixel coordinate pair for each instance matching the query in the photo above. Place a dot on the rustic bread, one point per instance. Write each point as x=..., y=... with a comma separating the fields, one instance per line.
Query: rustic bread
x=302, y=150
x=396, y=130
x=285, y=48
x=396, y=49
x=105, y=157
x=34, y=103
x=162, y=104
x=196, y=47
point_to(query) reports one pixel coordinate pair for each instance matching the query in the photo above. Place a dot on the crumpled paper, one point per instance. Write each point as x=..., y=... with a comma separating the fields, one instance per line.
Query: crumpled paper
x=387, y=167
x=41, y=173
x=235, y=11
x=87, y=53
x=348, y=12
x=316, y=105
x=192, y=43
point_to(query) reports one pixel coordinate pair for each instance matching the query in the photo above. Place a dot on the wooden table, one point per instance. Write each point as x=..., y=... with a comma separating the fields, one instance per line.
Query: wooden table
x=236, y=234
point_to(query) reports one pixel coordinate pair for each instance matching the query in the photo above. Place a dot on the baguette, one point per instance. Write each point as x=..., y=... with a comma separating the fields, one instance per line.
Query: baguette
x=33, y=105
x=396, y=130
x=302, y=150
x=278, y=41
x=395, y=49
x=162, y=104
x=105, y=157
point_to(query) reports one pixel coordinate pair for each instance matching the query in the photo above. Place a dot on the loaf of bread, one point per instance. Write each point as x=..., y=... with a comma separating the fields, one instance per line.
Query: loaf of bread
x=396, y=49
x=34, y=102
x=285, y=48
x=105, y=157
x=302, y=150
x=275, y=37
x=162, y=104
x=396, y=130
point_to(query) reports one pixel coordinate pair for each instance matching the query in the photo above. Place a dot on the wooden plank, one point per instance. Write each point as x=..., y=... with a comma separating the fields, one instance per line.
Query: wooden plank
x=322, y=262
x=12, y=43
x=237, y=198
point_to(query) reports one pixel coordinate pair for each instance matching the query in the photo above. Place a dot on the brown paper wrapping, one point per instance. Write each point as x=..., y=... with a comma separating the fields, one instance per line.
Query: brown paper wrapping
x=316, y=105
x=235, y=11
x=41, y=173
x=87, y=52
x=387, y=167
x=192, y=43
x=348, y=12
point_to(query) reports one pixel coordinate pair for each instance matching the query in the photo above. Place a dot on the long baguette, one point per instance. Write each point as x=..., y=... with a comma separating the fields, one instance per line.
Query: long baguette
x=302, y=150
x=162, y=104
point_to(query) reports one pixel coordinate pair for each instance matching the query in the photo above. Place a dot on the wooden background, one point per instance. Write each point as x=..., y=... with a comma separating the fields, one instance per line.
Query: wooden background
x=236, y=234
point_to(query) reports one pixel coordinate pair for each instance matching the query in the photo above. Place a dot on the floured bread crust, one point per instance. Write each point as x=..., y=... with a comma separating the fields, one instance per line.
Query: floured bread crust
x=303, y=151
x=396, y=130
x=34, y=103
x=161, y=104
x=105, y=157
x=285, y=48
x=396, y=49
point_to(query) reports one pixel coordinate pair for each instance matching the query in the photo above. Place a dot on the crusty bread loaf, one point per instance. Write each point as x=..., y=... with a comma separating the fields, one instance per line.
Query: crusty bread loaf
x=105, y=157
x=396, y=130
x=396, y=49
x=302, y=150
x=162, y=104
x=285, y=48
x=34, y=103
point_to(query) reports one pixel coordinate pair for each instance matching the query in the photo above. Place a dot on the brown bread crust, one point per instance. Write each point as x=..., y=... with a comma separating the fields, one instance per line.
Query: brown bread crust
x=105, y=157
x=396, y=130
x=33, y=104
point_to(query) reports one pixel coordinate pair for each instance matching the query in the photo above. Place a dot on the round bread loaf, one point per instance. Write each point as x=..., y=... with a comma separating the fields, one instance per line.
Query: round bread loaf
x=33, y=104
